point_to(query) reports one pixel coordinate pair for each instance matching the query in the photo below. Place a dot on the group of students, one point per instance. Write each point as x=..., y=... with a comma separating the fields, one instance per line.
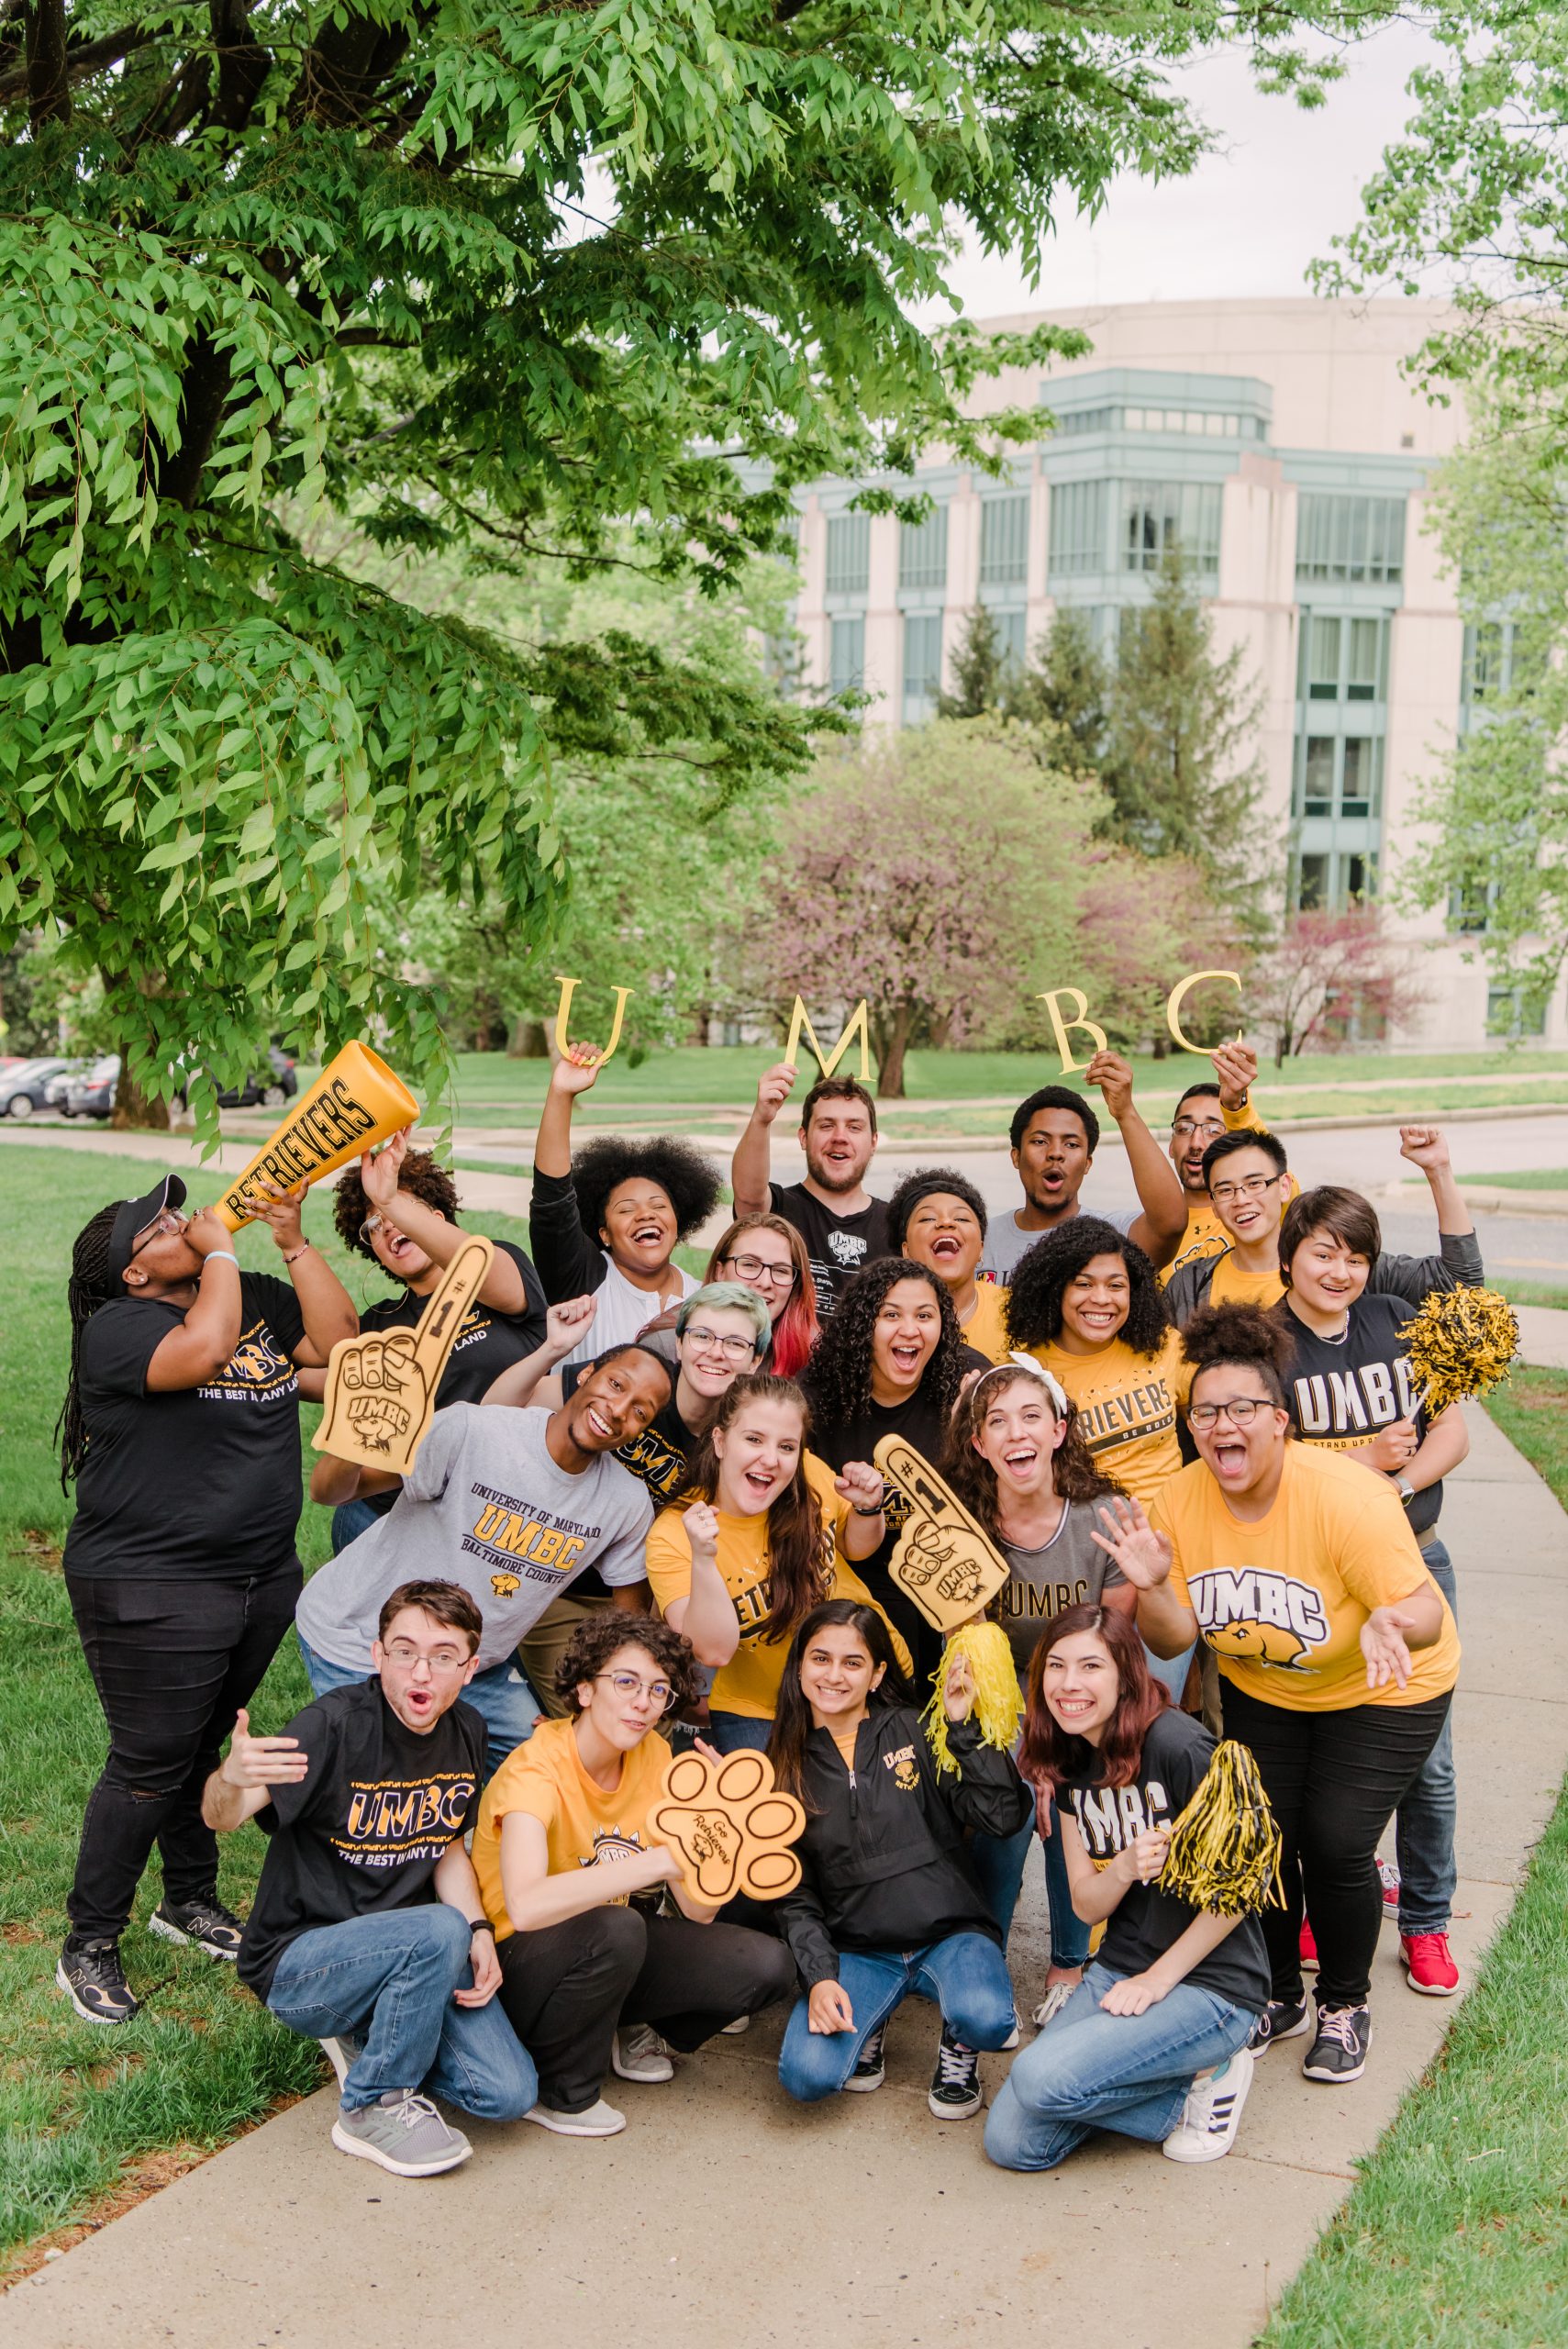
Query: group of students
x=648, y=1511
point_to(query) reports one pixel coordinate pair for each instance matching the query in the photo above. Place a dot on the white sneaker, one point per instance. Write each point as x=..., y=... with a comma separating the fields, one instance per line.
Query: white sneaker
x=733, y=2030
x=638, y=2053
x=1050, y=2006
x=1212, y=2113
x=601, y=2119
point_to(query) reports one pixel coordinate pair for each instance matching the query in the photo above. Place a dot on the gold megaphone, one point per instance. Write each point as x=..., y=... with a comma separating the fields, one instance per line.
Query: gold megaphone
x=354, y=1103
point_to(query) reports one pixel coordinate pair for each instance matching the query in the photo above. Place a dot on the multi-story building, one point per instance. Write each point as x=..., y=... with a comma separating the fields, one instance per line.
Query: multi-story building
x=1283, y=444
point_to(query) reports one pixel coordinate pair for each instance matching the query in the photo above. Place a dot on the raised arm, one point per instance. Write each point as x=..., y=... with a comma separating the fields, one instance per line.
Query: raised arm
x=198, y=1347
x=564, y=1325
x=1458, y=1263
x=325, y=1308
x=503, y=1289
x=705, y=1612
x=1145, y=1557
x=1159, y=1229
x=750, y=1176
x=567, y=1261
x=243, y=1781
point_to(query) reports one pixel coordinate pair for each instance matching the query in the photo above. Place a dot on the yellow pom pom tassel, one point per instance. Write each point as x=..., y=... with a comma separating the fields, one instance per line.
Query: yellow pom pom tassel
x=998, y=1700
x=1225, y=1847
x=1460, y=1343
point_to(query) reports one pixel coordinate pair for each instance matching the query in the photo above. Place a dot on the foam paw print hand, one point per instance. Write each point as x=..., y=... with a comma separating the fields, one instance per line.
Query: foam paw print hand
x=730, y=1827
x=381, y=1387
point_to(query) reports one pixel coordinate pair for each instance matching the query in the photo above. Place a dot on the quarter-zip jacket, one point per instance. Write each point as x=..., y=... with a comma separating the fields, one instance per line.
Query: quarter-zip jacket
x=883, y=1859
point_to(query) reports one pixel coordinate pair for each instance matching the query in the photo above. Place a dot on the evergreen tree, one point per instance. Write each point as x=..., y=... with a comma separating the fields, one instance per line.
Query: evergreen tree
x=1181, y=764
x=979, y=670
x=1065, y=690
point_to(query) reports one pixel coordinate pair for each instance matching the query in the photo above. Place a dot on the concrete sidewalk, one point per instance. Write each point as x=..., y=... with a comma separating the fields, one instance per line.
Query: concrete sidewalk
x=726, y=2214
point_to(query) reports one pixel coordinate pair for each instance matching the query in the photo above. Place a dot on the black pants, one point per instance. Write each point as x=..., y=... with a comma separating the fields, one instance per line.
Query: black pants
x=565, y=1987
x=1335, y=1781
x=172, y=1663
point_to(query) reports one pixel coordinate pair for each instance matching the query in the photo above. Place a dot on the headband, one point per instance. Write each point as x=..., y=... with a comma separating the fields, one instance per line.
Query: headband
x=1027, y=1363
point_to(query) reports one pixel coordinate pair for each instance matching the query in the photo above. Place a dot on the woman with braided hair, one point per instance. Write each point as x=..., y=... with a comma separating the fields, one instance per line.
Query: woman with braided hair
x=181, y=1429
x=892, y=1361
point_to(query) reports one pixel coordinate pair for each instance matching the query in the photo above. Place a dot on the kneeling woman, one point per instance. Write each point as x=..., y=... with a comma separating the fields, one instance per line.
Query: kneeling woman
x=887, y=1903
x=1153, y=2043
x=563, y=1844
x=771, y=1536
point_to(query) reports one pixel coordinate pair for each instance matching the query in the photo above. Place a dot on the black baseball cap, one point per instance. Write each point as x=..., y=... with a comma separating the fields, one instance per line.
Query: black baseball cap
x=134, y=1216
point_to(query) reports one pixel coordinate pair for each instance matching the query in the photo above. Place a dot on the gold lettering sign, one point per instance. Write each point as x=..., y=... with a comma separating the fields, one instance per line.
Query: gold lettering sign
x=1059, y=1027
x=354, y=1103
x=1178, y=997
x=562, y=1009
x=800, y=1024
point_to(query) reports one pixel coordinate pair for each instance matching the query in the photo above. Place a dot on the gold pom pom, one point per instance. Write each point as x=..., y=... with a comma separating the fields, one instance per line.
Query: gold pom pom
x=998, y=1700
x=1225, y=1847
x=1461, y=1343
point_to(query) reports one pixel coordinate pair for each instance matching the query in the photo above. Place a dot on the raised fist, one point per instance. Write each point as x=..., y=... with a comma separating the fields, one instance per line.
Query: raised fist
x=730, y=1826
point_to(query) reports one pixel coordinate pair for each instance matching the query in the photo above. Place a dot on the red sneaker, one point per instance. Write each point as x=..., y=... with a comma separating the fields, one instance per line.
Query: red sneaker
x=1428, y=1965
x=1309, y=1944
x=1388, y=1877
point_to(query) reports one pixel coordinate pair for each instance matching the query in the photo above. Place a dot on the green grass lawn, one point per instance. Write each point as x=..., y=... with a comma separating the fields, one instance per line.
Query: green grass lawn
x=1532, y=1293
x=1456, y=2234
x=1539, y=1178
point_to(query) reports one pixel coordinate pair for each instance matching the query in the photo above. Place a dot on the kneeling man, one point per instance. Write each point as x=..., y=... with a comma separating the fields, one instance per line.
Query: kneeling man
x=367, y=1930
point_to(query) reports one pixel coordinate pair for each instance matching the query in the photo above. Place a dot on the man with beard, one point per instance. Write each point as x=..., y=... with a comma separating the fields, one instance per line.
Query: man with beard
x=844, y=1227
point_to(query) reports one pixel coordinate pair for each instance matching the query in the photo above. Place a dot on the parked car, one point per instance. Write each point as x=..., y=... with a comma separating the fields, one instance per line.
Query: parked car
x=57, y=1087
x=270, y=1089
x=23, y=1087
x=92, y=1095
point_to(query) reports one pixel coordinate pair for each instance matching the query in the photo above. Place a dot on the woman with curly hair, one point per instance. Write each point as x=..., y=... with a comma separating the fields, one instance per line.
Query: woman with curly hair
x=938, y=1218
x=563, y=1847
x=770, y=1535
x=765, y=1253
x=1086, y=1302
x=1338, y=1654
x=608, y=1220
x=1017, y=1458
x=890, y=1362
x=398, y=1209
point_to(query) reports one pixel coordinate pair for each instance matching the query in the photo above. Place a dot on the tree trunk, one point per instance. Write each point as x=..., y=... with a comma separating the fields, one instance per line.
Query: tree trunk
x=530, y=1042
x=890, y=1070
x=134, y=1108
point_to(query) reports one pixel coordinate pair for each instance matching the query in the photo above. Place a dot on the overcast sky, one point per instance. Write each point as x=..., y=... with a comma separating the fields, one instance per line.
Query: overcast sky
x=1250, y=217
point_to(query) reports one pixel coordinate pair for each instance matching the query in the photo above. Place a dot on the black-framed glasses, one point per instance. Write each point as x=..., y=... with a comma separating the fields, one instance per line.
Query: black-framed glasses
x=752, y=1269
x=628, y=1685
x=1240, y=1410
x=1253, y=1187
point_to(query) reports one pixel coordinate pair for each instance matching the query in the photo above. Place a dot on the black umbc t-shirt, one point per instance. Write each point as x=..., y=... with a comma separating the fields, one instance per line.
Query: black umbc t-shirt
x=840, y=1246
x=362, y=1831
x=200, y=1481
x=922, y=1423
x=487, y=1343
x=1342, y=1392
x=1145, y=1922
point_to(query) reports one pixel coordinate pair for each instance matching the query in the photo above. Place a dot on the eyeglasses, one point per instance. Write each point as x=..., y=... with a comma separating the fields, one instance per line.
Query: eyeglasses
x=374, y=1223
x=443, y=1665
x=732, y=1348
x=1240, y=1410
x=1253, y=1187
x=752, y=1269
x=1184, y=1128
x=627, y=1684
x=165, y=1220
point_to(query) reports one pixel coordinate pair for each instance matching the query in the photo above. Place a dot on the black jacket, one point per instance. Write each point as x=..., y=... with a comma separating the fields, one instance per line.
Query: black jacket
x=1412, y=1277
x=882, y=1861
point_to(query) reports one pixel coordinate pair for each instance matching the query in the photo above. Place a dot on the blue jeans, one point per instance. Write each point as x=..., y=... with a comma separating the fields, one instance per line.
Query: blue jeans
x=387, y=1981
x=998, y=1862
x=737, y=1733
x=1089, y=2070
x=500, y=1696
x=349, y=1519
x=1169, y=1671
x=1424, y=1822
x=966, y=1975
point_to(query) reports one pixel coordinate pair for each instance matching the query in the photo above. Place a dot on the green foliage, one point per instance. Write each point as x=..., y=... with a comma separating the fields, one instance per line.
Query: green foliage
x=981, y=671
x=1066, y=688
x=506, y=284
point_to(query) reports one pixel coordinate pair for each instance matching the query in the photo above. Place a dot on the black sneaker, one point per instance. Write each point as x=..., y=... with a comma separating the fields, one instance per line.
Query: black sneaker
x=1281, y=2019
x=93, y=1978
x=1338, y=2051
x=205, y=1924
x=870, y=2072
x=955, y=2091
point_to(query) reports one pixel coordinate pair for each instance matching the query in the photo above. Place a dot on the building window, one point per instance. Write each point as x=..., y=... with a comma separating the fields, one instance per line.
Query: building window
x=1470, y=904
x=1207, y=422
x=1343, y=658
x=1005, y=542
x=1327, y=880
x=1351, y=539
x=849, y=555
x=848, y=656
x=922, y=665
x=1317, y=783
x=1078, y=511
x=923, y=550
x=1159, y=514
x=1087, y=419
x=1312, y=883
x=1516, y=1011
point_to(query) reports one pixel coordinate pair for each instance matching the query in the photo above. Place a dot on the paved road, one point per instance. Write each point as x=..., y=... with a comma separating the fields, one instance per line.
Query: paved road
x=724, y=2214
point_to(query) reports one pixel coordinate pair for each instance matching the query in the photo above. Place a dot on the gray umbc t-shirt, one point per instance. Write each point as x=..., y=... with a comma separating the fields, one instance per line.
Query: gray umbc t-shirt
x=484, y=1506
x=1069, y=1570
x=1005, y=1245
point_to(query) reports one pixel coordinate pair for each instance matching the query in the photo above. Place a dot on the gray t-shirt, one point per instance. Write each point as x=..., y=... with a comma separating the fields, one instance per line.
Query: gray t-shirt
x=1069, y=1570
x=484, y=1506
x=1006, y=1242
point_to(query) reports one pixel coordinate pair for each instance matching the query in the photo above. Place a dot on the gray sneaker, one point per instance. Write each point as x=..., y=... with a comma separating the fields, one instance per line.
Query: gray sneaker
x=403, y=2132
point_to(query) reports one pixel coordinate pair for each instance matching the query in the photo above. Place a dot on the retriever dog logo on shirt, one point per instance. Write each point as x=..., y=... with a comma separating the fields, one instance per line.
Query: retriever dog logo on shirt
x=1258, y=1616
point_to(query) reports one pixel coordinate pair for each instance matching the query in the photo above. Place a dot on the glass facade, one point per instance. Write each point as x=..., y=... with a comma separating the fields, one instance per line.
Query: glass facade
x=922, y=665
x=1158, y=515
x=847, y=654
x=1005, y=541
x=923, y=552
x=849, y=555
x=1350, y=539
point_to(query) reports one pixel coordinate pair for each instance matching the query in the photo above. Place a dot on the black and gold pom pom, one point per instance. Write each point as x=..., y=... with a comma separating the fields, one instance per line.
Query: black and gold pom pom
x=1225, y=1847
x=1461, y=1343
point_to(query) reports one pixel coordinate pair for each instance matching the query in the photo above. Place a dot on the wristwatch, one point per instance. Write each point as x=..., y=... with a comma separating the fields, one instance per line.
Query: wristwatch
x=1405, y=1490
x=480, y=1925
